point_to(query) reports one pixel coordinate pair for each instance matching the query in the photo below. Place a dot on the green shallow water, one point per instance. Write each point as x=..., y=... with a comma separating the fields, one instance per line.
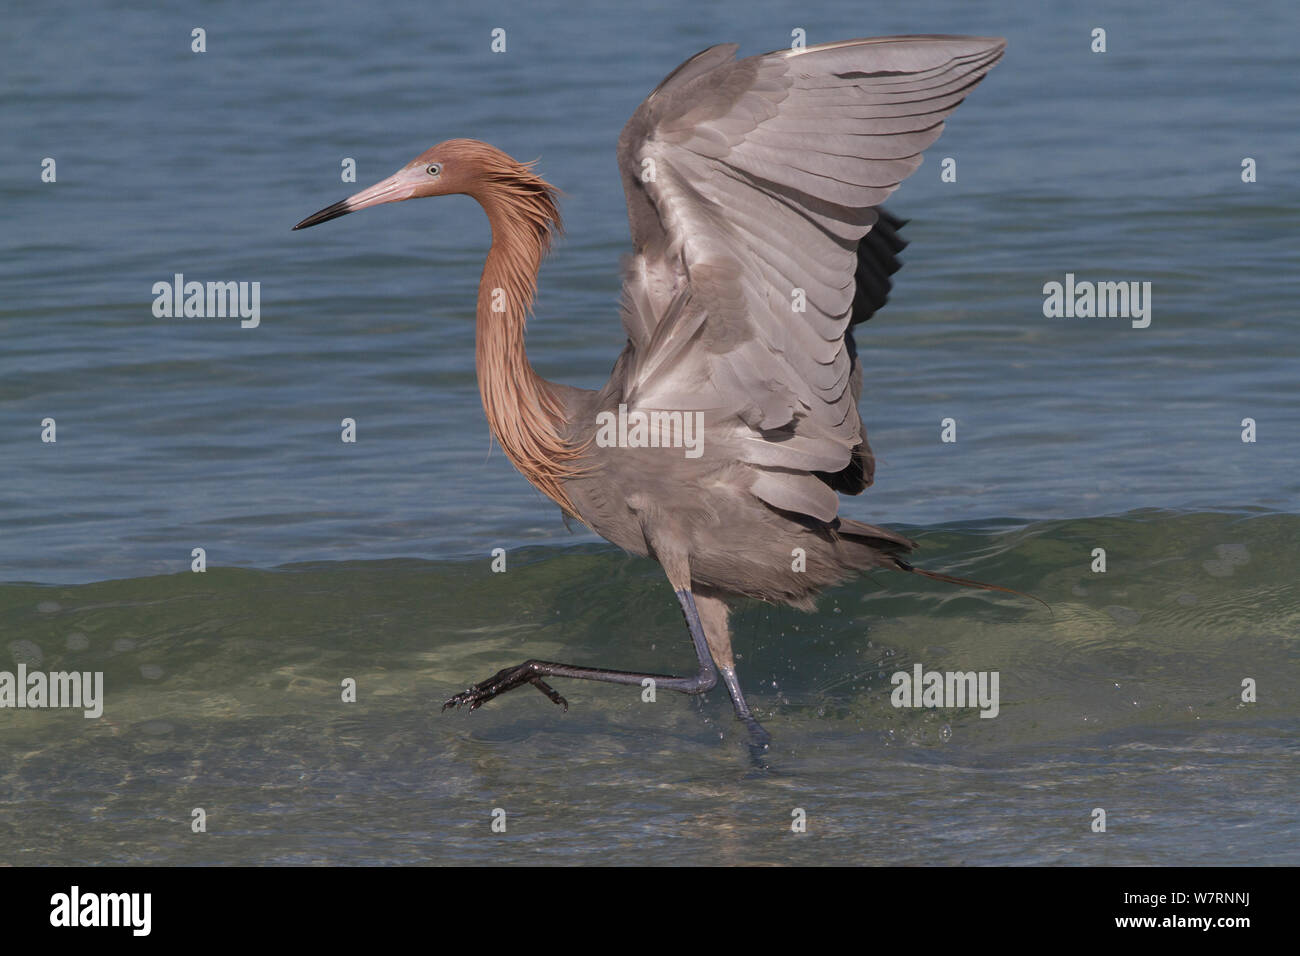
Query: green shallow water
x=223, y=692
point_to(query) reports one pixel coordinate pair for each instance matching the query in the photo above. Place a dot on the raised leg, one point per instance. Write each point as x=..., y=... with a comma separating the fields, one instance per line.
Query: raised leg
x=532, y=672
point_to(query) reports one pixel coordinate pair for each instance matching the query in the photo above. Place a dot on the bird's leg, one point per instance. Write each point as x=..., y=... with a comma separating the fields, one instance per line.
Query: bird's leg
x=758, y=736
x=715, y=615
x=532, y=672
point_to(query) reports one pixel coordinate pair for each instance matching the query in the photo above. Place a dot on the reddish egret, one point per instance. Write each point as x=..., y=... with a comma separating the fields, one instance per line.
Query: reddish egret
x=753, y=191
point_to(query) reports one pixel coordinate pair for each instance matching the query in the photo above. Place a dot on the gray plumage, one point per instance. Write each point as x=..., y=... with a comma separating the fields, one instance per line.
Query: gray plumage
x=754, y=191
x=747, y=180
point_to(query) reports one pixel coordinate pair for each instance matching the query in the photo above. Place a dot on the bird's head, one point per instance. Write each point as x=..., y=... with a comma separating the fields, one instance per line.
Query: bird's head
x=455, y=166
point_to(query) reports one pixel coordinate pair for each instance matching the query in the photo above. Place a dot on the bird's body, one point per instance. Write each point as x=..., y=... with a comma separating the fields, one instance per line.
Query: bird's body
x=754, y=191
x=737, y=544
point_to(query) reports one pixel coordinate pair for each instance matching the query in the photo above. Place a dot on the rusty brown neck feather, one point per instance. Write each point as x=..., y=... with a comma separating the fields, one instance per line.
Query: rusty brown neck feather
x=523, y=411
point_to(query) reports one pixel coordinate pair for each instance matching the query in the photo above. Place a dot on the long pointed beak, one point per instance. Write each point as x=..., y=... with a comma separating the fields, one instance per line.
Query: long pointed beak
x=401, y=185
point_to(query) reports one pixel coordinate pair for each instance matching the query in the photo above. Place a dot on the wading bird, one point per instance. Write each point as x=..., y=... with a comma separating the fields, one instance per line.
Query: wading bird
x=753, y=191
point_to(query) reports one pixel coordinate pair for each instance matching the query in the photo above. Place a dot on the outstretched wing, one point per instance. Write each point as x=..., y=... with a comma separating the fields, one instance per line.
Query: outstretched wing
x=752, y=189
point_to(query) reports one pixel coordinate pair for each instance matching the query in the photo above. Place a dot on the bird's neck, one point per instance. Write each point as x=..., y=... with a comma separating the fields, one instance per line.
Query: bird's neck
x=523, y=411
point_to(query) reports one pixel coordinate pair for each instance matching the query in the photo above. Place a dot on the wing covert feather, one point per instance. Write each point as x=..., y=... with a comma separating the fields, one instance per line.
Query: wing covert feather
x=753, y=187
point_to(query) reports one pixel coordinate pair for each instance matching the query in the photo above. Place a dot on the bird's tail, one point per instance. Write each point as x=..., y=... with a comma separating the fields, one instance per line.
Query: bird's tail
x=888, y=547
x=965, y=582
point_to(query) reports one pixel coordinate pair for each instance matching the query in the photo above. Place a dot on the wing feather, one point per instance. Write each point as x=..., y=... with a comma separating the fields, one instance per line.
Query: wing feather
x=753, y=191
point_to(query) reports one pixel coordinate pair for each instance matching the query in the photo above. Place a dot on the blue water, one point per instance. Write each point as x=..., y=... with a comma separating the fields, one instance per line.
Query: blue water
x=1072, y=434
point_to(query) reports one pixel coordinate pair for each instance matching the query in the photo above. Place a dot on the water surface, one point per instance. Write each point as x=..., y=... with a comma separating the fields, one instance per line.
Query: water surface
x=371, y=560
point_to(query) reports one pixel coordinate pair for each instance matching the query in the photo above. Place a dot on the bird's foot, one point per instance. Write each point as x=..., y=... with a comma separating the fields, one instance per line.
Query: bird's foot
x=502, y=681
x=759, y=738
x=760, y=742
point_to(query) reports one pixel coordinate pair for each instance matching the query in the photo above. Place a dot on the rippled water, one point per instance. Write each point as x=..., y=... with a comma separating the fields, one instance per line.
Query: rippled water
x=370, y=560
x=224, y=693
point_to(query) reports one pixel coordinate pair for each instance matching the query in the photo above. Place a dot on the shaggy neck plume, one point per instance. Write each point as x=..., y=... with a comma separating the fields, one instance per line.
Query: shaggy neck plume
x=522, y=410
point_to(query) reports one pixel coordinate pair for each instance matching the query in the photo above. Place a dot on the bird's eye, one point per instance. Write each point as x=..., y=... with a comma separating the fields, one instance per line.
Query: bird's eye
x=435, y=169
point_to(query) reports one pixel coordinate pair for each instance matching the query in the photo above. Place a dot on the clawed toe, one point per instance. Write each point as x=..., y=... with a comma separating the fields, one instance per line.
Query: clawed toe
x=550, y=692
x=499, y=683
x=471, y=697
